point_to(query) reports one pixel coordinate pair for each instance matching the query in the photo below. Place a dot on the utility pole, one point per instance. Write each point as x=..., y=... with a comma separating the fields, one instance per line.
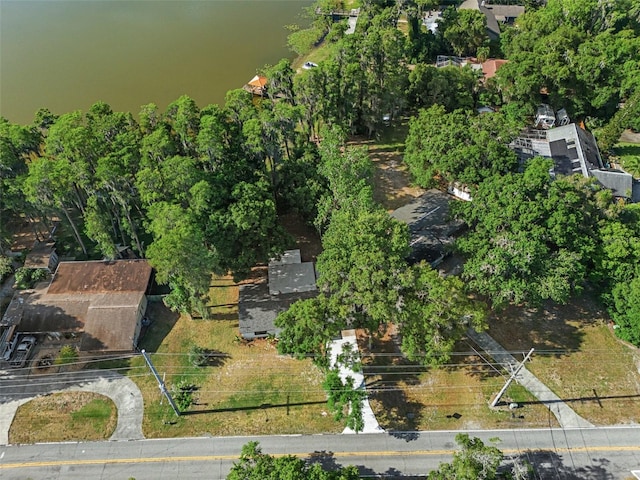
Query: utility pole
x=163, y=388
x=513, y=375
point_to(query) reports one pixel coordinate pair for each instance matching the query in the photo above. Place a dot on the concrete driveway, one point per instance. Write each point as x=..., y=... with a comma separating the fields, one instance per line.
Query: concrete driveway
x=19, y=389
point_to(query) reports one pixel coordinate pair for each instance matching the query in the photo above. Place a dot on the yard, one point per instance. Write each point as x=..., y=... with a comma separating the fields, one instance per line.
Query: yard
x=245, y=389
x=578, y=357
x=406, y=396
x=77, y=416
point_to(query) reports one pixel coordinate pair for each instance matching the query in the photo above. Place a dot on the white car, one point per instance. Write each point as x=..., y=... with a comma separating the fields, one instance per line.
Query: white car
x=309, y=65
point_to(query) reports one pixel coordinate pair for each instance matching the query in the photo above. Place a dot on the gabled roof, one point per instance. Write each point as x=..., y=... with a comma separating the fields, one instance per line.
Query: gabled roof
x=491, y=66
x=99, y=300
x=257, y=309
x=428, y=220
x=101, y=276
x=290, y=279
x=495, y=14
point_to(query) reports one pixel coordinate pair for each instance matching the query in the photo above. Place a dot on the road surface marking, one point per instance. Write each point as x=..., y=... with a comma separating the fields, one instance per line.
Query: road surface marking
x=213, y=458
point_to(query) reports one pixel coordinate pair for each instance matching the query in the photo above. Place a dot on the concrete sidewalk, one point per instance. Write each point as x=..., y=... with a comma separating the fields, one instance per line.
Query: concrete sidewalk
x=336, y=348
x=567, y=418
x=19, y=389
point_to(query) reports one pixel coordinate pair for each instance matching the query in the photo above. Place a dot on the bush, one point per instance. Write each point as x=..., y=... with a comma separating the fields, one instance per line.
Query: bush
x=183, y=394
x=28, y=277
x=198, y=356
x=68, y=354
x=5, y=267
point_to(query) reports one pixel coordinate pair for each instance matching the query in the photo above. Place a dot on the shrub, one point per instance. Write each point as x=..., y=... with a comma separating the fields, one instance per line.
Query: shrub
x=28, y=277
x=5, y=267
x=68, y=354
x=198, y=356
x=183, y=394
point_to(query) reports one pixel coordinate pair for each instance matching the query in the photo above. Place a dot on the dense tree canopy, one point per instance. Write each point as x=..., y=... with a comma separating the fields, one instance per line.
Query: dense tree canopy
x=255, y=465
x=586, y=55
x=475, y=461
x=532, y=238
x=459, y=146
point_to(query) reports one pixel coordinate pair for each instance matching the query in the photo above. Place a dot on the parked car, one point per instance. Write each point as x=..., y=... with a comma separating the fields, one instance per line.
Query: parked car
x=309, y=65
x=22, y=352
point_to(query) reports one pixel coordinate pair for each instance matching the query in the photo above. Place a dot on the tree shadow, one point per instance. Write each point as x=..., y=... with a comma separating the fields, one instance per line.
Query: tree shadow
x=263, y=406
x=550, y=464
x=555, y=329
x=213, y=358
x=595, y=398
x=475, y=362
x=162, y=321
x=326, y=459
x=394, y=410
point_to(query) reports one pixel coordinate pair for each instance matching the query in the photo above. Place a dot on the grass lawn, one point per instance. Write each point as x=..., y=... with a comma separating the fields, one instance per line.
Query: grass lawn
x=578, y=357
x=392, y=186
x=629, y=155
x=78, y=416
x=246, y=389
x=408, y=396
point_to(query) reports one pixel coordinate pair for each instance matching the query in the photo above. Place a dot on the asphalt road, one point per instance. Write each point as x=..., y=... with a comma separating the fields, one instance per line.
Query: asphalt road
x=584, y=454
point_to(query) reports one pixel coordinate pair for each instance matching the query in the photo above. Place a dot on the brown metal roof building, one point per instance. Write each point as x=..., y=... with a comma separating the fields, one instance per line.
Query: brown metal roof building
x=103, y=301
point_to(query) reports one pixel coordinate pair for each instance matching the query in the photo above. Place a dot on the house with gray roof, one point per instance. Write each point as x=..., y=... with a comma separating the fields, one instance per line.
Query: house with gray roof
x=289, y=280
x=495, y=14
x=574, y=151
x=430, y=227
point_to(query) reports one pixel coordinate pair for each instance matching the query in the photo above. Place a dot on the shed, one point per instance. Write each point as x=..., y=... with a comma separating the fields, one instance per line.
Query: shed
x=42, y=255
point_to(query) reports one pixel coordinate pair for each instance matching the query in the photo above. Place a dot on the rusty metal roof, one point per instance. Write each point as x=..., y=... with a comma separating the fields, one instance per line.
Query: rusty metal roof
x=101, y=277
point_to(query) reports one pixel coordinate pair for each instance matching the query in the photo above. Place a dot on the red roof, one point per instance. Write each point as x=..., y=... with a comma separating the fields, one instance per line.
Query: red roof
x=258, y=81
x=491, y=66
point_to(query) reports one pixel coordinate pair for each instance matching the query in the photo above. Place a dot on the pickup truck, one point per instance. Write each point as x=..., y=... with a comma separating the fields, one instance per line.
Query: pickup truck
x=22, y=352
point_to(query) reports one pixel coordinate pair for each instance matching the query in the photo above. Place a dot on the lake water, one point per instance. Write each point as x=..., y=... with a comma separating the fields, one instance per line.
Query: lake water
x=66, y=55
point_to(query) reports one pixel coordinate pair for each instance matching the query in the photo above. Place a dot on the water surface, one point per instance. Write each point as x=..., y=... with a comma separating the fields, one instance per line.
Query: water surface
x=68, y=54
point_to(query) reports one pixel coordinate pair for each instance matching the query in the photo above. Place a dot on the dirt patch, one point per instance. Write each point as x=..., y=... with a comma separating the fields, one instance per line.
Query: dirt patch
x=306, y=237
x=630, y=136
x=392, y=186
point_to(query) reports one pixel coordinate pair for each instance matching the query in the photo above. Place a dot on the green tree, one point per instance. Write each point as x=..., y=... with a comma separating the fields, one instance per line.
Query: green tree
x=465, y=30
x=68, y=354
x=626, y=309
x=475, y=461
x=532, y=238
x=180, y=255
x=451, y=87
x=436, y=314
x=344, y=399
x=360, y=266
x=245, y=231
x=459, y=146
x=6, y=267
x=255, y=465
x=307, y=328
x=584, y=54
